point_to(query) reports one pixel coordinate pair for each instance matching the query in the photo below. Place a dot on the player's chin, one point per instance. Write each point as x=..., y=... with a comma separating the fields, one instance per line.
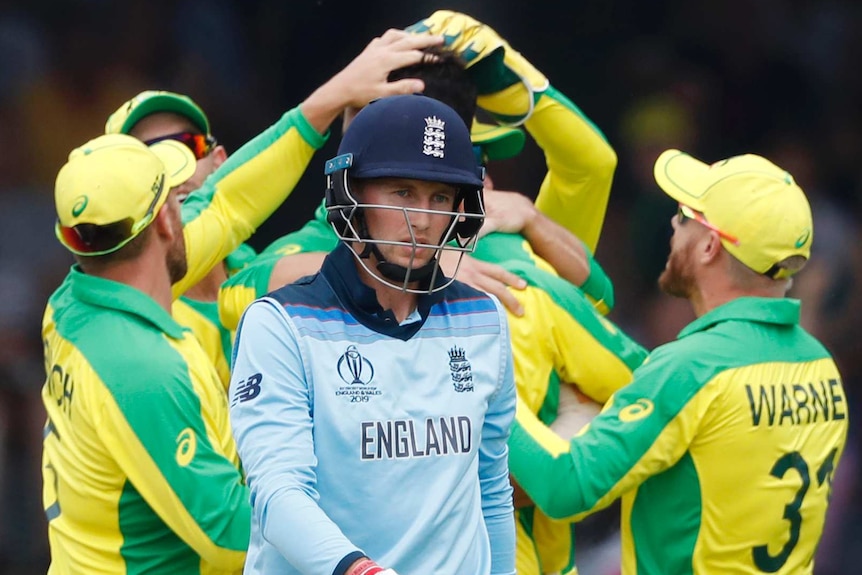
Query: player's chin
x=414, y=260
x=407, y=252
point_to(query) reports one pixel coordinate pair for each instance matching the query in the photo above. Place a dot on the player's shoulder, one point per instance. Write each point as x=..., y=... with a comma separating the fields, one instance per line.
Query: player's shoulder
x=695, y=358
x=459, y=296
x=458, y=290
x=128, y=353
x=309, y=291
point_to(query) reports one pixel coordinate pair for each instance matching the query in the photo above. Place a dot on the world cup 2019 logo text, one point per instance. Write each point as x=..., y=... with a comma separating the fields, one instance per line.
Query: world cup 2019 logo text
x=357, y=372
x=460, y=370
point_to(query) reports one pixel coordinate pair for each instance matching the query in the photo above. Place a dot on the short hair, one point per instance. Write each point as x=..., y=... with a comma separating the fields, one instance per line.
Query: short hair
x=131, y=250
x=746, y=277
x=446, y=79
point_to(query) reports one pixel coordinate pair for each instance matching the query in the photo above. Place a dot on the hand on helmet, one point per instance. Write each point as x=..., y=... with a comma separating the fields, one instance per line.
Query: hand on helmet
x=508, y=85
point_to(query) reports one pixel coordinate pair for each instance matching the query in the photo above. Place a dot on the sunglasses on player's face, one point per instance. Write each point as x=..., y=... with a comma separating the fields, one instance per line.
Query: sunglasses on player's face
x=201, y=145
x=686, y=213
x=99, y=240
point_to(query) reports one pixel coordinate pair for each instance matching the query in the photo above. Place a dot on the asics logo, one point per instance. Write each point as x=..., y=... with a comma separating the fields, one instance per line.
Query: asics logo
x=80, y=205
x=638, y=410
x=801, y=240
x=187, y=444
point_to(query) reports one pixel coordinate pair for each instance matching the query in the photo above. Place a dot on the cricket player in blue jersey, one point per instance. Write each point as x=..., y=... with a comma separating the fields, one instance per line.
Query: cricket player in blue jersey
x=371, y=402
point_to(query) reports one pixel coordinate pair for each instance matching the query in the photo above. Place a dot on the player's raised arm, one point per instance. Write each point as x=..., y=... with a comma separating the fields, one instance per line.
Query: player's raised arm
x=257, y=178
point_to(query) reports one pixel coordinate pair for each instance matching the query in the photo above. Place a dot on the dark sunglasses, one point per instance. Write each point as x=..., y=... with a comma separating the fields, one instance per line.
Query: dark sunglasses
x=95, y=240
x=201, y=145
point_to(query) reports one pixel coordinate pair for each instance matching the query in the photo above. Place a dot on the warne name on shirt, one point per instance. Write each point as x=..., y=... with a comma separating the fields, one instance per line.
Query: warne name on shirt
x=796, y=403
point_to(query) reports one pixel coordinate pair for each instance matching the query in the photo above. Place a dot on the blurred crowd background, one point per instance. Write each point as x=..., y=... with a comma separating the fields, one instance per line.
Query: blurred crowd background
x=713, y=77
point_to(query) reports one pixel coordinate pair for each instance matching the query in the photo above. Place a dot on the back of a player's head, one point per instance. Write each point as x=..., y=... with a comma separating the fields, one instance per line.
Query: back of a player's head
x=112, y=189
x=446, y=79
x=763, y=213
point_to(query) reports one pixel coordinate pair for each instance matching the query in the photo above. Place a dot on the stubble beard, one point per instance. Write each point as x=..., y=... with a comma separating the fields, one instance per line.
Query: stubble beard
x=176, y=257
x=677, y=280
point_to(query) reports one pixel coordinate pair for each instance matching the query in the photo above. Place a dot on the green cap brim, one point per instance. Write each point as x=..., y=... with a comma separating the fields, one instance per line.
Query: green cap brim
x=166, y=102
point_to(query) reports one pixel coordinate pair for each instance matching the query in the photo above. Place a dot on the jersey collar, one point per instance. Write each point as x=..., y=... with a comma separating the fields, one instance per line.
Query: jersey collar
x=780, y=311
x=339, y=269
x=105, y=293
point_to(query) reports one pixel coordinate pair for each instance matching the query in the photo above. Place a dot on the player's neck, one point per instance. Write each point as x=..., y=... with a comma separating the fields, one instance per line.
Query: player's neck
x=400, y=302
x=147, y=273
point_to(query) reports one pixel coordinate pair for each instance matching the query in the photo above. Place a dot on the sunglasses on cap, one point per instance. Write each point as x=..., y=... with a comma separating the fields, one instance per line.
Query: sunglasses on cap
x=201, y=145
x=98, y=240
x=686, y=213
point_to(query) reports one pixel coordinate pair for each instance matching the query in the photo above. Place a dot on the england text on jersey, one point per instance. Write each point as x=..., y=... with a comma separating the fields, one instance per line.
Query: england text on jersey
x=796, y=403
x=404, y=438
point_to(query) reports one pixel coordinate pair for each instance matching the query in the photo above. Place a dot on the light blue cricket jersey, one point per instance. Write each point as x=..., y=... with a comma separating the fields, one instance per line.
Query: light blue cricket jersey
x=362, y=435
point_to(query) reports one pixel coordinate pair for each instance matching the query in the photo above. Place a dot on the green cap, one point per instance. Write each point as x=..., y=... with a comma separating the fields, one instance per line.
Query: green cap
x=153, y=101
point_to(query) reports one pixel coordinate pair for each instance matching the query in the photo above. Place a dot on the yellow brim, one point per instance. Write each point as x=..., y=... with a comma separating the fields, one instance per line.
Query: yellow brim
x=179, y=161
x=681, y=177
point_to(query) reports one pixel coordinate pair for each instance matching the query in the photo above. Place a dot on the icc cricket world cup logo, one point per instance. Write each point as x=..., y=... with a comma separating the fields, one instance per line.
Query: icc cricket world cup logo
x=354, y=368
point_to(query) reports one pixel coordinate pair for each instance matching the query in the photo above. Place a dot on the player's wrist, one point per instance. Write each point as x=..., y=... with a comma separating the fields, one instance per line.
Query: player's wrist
x=532, y=218
x=323, y=106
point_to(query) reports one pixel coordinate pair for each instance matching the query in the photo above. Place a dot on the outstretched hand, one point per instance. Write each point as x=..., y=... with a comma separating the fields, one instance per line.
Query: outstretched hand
x=365, y=78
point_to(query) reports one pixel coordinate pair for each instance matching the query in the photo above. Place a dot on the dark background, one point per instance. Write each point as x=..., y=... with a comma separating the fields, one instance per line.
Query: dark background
x=715, y=78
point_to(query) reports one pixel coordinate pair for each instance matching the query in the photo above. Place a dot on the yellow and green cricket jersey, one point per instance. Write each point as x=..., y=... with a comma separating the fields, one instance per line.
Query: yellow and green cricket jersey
x=140, y=470
x=723, y=448
x=252, y=282
x=560, y=340
x=202, y=318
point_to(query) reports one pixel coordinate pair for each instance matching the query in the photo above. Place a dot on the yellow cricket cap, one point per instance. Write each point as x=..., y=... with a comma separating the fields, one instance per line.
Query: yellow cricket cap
x=116, y=180
x=747, y=197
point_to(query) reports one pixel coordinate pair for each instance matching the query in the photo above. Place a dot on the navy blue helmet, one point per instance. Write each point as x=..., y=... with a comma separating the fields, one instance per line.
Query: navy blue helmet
x=412, y=137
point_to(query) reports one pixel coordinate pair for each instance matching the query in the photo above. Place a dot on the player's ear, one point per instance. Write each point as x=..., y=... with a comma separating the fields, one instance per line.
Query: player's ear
x=164, y=222
x=219, y=155
x=710, y=247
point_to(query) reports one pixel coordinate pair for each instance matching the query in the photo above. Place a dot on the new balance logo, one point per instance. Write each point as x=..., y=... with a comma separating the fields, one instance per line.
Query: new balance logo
x=247, y=389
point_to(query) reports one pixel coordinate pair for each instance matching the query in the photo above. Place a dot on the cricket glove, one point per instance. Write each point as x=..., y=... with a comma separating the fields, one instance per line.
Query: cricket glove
x=508, y=85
